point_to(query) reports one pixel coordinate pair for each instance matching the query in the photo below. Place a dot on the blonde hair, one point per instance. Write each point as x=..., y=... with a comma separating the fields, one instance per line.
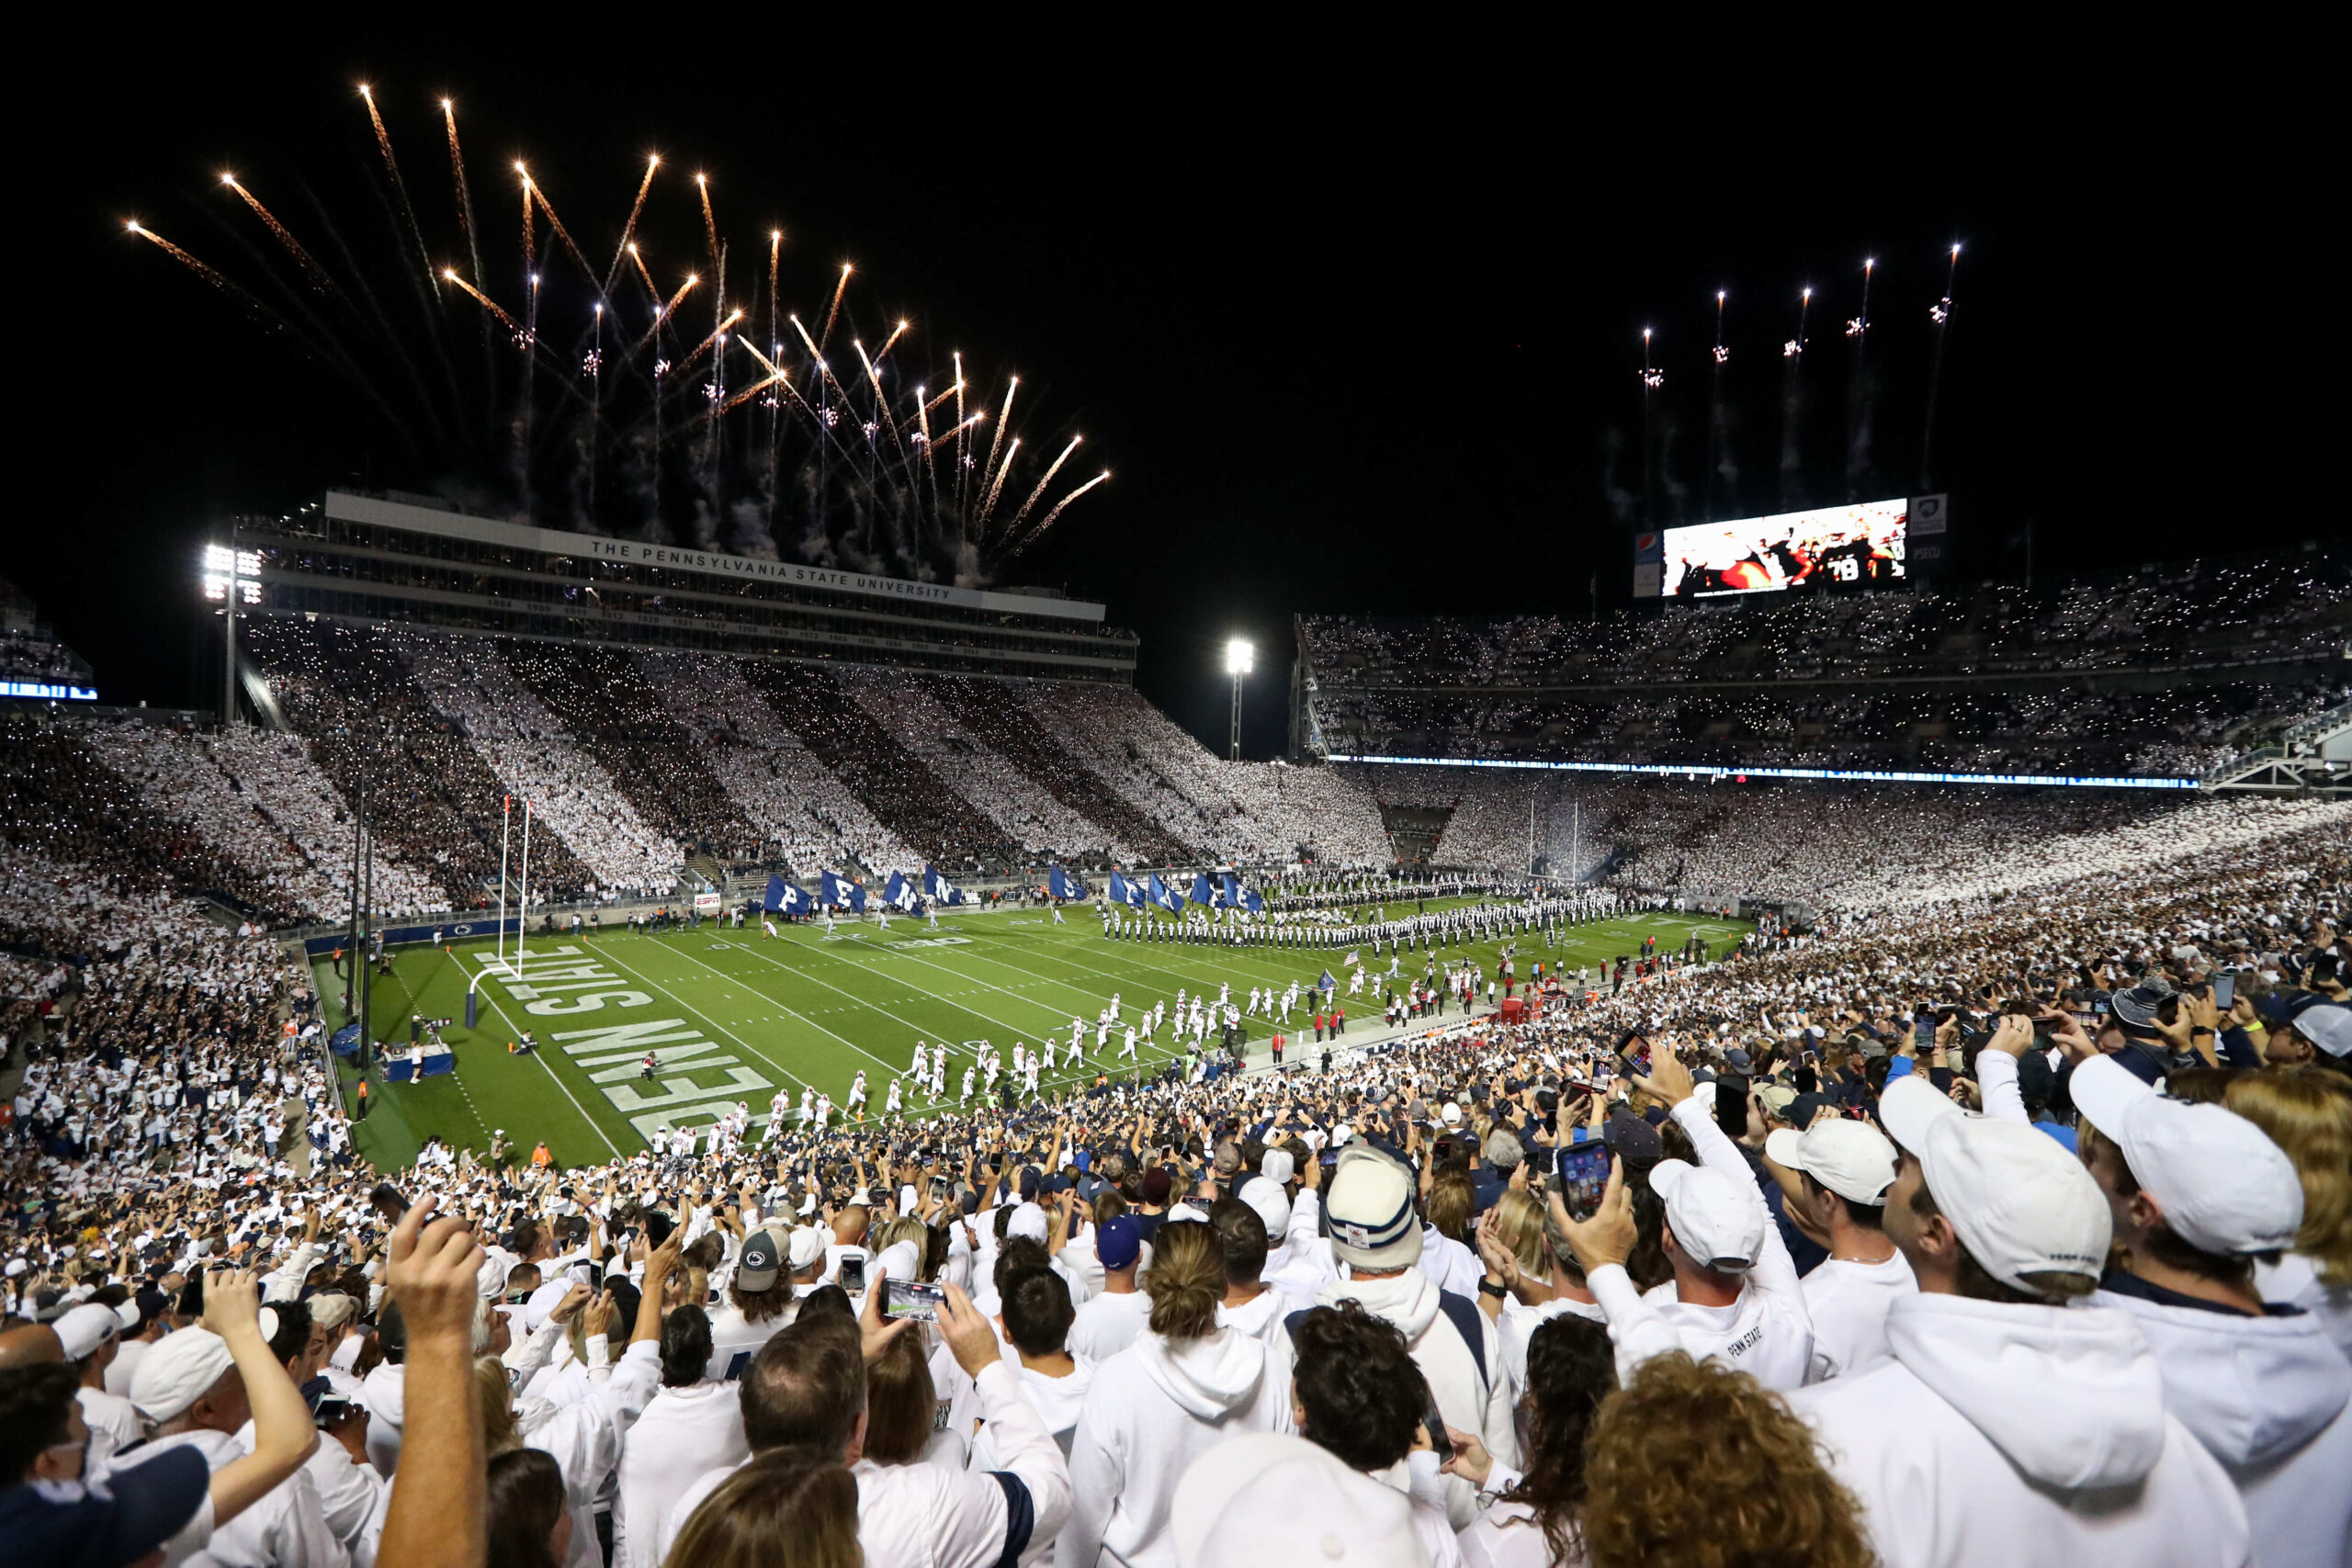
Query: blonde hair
x=1771, y=1496
x=1450, y=1200
x=499, y=1429
x=789, y=1508
x=2308, y=1113
x=1186, y=1280
x=1518, y=1220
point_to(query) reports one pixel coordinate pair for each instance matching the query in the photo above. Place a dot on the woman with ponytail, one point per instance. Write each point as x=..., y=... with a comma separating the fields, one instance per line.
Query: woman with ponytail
x=1181, y=1389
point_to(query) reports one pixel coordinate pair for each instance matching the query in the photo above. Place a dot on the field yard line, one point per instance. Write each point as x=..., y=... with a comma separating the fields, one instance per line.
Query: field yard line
x=959, y=1007
x=594, y=1125
x=730, y=1034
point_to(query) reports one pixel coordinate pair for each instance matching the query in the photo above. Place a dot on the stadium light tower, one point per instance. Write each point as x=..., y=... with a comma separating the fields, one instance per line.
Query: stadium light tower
x=1239, y=659
x=232, y=576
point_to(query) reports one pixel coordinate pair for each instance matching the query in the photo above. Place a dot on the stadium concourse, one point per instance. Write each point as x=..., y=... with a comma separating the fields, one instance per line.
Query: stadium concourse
x=1982, y=1194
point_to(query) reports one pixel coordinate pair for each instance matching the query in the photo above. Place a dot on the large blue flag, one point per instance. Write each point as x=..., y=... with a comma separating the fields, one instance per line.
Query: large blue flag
x=1119, y=887
x=1201, y=894
x=1062, y=885
x=833, y=891
x=857, y=900
x=775, y=900
x=1167, y=898
x=938, y=889
x=1327, y=983
x=1231, y=897
x=899, y=893
x=1257, y=906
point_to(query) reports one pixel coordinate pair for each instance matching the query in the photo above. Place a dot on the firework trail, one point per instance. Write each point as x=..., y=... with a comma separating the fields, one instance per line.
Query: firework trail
x=996, y=486
x=449, y=274
x=844, y=472
x=194, y=266
x=465, y=192
x=1059, y=507
x=832, y=311
x=1054, y=467
x=1861, y=395
x=653, y=162
x=399, y=186
x=996, y=441
x=709, y=223
x=285, y=237
x=1940, y=314
x=1792, y=411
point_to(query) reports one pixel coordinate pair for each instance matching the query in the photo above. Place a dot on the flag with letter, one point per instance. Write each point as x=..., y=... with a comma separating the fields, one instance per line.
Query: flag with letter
x=1061, y=884
x=938, y=889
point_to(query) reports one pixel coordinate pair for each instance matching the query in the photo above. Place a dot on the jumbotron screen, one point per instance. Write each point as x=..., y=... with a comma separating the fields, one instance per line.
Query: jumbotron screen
x=1830, y=546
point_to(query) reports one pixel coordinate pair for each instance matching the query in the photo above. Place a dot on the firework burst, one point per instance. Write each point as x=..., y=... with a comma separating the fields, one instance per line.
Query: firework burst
x=593, y=420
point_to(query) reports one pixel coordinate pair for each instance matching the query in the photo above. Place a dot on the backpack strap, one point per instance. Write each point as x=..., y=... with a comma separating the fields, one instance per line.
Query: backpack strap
x=1470, y=1322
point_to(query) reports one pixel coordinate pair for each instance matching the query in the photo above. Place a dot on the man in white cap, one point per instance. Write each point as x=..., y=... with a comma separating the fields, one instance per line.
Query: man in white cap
x=1834, y=1175
x=198, y=1386
x=87, y=1334
x=2010, y=1426
x=2196, y=1192
x=1268, y=1497
x=1735, y=1294
x=1376, y=1237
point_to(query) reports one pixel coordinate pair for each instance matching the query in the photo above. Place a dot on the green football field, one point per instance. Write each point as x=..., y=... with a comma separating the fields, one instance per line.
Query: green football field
x=732, y=1016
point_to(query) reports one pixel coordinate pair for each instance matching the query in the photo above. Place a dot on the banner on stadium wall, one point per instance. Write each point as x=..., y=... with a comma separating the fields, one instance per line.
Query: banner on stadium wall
x=1739, y=775
x=707, y=903
x=402, y=936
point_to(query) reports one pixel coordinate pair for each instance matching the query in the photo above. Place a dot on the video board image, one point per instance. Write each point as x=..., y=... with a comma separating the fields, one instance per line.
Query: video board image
x=1830, y=546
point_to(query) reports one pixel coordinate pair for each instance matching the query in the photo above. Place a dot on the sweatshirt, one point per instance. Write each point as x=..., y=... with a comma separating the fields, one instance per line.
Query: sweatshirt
x=2022, y=1436
x=1153, y=1409
x=1467, y=1382
x=1765, y=1332
x=682, y=1433
x=2268, y=1397
x=1057, y=1402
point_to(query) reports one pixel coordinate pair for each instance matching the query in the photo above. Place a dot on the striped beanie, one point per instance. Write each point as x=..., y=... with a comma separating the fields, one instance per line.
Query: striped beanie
x=1371, y=1209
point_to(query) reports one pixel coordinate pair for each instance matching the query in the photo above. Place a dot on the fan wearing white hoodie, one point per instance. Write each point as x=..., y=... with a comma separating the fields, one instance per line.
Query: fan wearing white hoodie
x=1179, y=1390
x=1242, y=1224
x=1035, y=1317
x=2008, y=1428
x=1356, y=1392
x=2196, y=1192
x=1735, y=1295
x=1377, y=1237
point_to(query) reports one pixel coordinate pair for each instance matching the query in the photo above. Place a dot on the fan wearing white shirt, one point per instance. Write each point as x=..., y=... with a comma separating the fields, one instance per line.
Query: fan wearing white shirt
x=1110, y=1322
x=693, y=1424
x=1835, y=1177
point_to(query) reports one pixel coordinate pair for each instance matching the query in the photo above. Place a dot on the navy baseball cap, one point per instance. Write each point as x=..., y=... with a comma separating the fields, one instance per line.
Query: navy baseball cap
x=1118, y=1241
x=127, y=1516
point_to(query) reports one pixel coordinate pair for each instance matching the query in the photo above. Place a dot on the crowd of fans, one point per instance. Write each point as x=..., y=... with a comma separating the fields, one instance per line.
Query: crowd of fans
x=533, y=755
x=2208, y=613
x=815, y=823
x=2179, y=733
x=1986, y=1230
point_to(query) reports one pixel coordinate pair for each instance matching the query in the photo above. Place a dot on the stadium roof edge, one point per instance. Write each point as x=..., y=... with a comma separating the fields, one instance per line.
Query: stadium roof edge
x=1843, y=775
x=380, y=511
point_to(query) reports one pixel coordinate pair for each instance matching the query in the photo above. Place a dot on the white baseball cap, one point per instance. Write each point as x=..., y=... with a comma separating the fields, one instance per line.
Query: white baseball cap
x=1717, y=1221
x=1852, y=1159
x=84, y=1329
x=807, y=1245
x=2019, y=1201
x=1268, y=1497
x=2223, y=1186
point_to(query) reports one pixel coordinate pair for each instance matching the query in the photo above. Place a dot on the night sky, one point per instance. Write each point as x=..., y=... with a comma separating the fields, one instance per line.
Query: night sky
x=1361, y=347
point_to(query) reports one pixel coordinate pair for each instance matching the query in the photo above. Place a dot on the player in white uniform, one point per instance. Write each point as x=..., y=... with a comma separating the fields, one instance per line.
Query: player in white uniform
x=1127, y=1050
x=920, y=1052
x=855, y=1104
x=807, y=1104
x=892, y=1105
x=767, y=926
x=970, y=1072
x=1058, y=916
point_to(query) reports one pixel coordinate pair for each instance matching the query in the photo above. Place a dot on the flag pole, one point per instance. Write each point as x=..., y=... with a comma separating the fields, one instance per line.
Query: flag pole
x=523, y=894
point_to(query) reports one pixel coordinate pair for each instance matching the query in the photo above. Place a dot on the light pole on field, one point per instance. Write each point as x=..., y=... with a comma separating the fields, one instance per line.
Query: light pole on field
x=1239, y=659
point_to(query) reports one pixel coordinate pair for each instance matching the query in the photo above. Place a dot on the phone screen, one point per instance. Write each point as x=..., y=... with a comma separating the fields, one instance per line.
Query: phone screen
x=389, y=1201
x=2225, y=991
x=909, y=1298
x=1435, y=1422
x=852, y=1277
x=1580, y=1176
x=1924, y=1031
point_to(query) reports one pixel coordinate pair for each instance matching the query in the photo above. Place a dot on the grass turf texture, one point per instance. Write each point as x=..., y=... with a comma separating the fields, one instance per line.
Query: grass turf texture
x=734, y=1015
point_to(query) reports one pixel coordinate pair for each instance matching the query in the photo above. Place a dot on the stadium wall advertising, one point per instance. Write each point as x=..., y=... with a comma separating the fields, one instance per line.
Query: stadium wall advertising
x=1829, y=547
x=1737, y=773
